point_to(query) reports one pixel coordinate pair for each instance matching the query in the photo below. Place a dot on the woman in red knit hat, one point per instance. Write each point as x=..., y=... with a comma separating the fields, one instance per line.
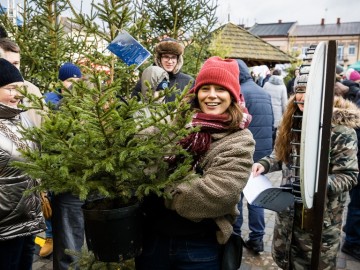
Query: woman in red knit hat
x=190, y=230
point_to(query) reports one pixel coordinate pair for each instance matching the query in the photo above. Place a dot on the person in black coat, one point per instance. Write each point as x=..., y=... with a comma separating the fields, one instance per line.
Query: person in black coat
x=290, y=84
x=169, y=56
x=259, y=106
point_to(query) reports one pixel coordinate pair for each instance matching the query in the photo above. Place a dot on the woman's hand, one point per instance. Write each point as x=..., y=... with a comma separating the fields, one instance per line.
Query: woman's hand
x=257, y=169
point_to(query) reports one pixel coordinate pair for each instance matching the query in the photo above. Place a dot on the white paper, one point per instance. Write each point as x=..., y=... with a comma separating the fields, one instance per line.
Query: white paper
x=254, y=186
x=260, y=192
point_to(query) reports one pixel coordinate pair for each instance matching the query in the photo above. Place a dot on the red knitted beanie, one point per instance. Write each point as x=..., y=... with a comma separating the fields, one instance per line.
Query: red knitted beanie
x=223, y=72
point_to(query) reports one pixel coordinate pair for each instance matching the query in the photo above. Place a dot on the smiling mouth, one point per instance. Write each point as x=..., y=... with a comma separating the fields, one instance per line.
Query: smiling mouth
x=212, y=104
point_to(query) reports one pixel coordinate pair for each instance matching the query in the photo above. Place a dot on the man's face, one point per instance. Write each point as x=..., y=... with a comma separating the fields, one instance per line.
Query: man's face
x=68, y=82
x=12, y=57
x=169, y=61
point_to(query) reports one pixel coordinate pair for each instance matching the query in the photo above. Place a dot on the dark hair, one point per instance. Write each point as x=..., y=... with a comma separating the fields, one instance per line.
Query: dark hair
x=9, y=46
x=277, y=72
x=3, y=33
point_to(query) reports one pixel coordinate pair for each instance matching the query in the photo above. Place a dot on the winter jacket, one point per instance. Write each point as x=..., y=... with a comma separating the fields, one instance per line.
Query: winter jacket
x=54, y=98
x=20, y=215
x=342, y=176
x=277, y=90
x=154, y=75
x=33, y=114
x=354, y=90
x=181, y=80
x=258, y=103
x=207, y=203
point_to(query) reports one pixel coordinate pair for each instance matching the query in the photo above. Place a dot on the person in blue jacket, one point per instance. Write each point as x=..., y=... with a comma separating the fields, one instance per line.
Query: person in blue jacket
x=67, y=220
x=259, y=105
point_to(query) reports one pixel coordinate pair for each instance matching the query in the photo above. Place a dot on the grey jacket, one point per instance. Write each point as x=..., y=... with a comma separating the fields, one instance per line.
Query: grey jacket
x=20, y=215
x=277, y=90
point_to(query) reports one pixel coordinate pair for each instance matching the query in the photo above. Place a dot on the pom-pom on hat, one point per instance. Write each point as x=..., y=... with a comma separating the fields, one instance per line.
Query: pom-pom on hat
x=354, y=76
x=223, y=72
x=9, y=73
x=69, y=70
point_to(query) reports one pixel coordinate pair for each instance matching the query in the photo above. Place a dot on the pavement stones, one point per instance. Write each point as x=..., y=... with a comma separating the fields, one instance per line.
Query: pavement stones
x=264, y=260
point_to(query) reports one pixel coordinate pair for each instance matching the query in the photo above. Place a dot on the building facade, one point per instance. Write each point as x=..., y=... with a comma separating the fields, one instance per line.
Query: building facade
x=292, y=37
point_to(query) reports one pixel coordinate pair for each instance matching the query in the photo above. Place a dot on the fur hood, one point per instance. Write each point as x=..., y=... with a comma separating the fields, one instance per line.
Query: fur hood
x=276, y=79
x=170, y=46
x=345, y=113
x=154, y=75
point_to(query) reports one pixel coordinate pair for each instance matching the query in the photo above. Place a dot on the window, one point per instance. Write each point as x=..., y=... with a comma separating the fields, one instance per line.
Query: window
x=340, y=53
x=352, y=49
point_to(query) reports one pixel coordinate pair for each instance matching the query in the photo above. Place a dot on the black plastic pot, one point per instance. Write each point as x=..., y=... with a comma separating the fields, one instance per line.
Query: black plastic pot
x=114, y=235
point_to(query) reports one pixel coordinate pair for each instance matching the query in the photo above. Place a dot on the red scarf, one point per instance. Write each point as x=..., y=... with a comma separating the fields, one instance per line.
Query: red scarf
x=198, y=143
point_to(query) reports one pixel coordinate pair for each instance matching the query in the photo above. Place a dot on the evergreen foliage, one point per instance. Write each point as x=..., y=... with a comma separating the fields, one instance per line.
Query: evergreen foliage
x=97, y=143
x=42, y=41
x=101, y=141
x=87, y=261
x=188, y=21
x=45, y=43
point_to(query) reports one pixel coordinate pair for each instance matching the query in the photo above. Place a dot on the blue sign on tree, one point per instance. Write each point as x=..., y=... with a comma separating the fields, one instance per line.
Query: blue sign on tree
x=128, y=49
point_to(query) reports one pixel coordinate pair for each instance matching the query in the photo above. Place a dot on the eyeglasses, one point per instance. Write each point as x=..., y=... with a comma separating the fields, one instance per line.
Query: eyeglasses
x=12, y=91
x=168, y=57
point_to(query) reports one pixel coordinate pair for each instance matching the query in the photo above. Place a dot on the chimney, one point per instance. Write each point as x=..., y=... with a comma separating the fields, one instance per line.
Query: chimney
x=338, y=21
x=280, y=21
x=322, y=21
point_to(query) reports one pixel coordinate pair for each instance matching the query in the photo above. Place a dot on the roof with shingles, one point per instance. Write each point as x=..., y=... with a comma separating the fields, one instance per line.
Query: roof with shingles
x=340, y=29
x=272, y=29
x=248, y=47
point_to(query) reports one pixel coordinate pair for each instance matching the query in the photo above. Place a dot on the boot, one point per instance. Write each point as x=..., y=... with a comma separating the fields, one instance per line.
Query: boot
x=255, y=245
x=47, y=248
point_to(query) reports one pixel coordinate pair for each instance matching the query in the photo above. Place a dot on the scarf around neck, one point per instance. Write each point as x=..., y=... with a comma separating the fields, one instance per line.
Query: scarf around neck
x=198, y=143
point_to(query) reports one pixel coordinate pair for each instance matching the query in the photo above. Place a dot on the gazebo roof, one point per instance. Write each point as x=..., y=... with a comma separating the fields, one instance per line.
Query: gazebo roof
x=251, y=49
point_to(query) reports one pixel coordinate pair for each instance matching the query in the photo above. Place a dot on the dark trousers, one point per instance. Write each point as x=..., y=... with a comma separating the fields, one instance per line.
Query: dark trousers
x=179, y=253
x=17, y=254
x=274, y=136
x=68, y=228
x=352, y=227
x=256, y=221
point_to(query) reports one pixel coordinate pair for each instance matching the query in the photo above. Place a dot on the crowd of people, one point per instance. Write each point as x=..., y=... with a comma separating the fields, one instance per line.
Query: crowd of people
x=243, y=128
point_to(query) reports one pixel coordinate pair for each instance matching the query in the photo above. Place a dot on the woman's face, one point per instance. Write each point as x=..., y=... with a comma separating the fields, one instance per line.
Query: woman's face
x=300, y=97
x=213, y=99
x=9, y=95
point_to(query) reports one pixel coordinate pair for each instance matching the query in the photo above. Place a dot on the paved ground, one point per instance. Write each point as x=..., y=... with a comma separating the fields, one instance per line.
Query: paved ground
x=249, y=261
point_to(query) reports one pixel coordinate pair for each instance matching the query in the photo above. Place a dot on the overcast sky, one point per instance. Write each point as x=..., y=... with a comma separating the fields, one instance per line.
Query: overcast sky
x=303, y=11
x=269, y=11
